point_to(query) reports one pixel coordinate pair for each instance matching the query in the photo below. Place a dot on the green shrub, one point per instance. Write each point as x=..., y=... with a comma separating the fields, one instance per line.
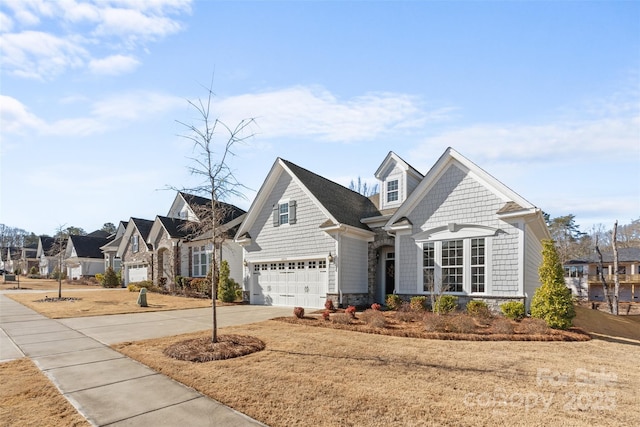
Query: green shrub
x=201, y=285
x=227, y=287
x=33, y=270
x=99, y=277
x=445, y=304
x=147, y=284
x=393, y=301
x=418, y=303
x=110, y=279
x=476, y=308
x=179, y=283
x=552, y=301
x=132, y=288
x=513, y=310
x=57, y=275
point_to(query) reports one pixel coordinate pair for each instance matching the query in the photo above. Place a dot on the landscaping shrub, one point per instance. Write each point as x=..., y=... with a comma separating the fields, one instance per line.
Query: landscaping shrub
x=513, y=310
x=445, y=304
x=341, y=318
x=326, y=315
x=328, y=304
x=373, y=318
x=99, y=277
x=110, y=279
x=33, y=270
x=393, y=301
x=418, y=303
x=351, y=311
x=375, y=306
x=552, y=301
x=435, y=323
x=502, y=325
x=298, y=312
x=227, y=287
x=461, y=324
x=179, y=283
x=479, y=309
x=57, y=275
x=147, y=284
x=406, y=314
x=533, y=326
x=132, y=288
x=201, y=285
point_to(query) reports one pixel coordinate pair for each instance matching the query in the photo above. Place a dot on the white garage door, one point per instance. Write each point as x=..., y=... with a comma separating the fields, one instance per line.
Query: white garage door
x=137, y=273
x=290, y=283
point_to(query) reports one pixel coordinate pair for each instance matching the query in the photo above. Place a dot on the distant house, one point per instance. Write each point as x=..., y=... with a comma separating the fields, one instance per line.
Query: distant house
x=135, y=254
x=182, y=249
x=110, y=249
x=83, y=257
x=455, y=230
x=47, y=258
x=582, y=276
x=28, y=257
x=10, y=258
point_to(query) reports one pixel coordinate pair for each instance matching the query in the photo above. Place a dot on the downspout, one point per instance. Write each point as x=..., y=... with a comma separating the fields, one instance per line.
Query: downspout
x=338, y=270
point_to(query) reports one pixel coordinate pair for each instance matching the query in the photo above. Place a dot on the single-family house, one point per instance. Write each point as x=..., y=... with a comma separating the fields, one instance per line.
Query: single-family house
x=583, y=276
x=110, y=249
x=28, y=257
x=455, y=230
x=47, y=255
x=10, y=258
x=83, y=257
x=181, y=247
x=135, y=254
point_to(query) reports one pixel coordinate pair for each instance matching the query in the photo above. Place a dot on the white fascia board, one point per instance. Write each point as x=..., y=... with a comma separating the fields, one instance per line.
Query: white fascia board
x=350, y=231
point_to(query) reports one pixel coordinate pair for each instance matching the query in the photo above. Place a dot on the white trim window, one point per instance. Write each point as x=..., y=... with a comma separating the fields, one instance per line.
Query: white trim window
x=392, y=191
x=284, y=213
x=201, y=258
x=455, y=266
x=135, y=243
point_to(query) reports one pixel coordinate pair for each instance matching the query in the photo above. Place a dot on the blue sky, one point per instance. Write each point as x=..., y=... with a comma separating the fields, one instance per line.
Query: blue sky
x=545, y=96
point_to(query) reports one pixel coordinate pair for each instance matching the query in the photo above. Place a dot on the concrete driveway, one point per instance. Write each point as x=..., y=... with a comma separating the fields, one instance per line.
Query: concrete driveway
x=133, y=327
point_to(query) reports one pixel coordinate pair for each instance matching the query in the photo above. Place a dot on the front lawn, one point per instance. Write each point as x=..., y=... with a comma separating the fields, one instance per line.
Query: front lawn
x=331, y=377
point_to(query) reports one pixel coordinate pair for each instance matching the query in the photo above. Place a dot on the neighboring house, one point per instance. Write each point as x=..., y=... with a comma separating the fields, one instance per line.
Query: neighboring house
x=136, y=255
x=456, y=230
x=584, y=280
x=28, y=257
x=182, y=250
x=10, y=258
x=47, y=259
x=110, y=250
x=83, y=257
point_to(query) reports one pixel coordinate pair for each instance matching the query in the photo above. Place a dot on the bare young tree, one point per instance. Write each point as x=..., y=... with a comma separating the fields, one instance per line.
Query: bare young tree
x=616, y=278
x=213, y=142
x=58, y=249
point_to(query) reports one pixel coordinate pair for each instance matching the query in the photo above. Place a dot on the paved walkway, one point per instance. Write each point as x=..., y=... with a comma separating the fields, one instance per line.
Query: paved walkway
x=108, y=388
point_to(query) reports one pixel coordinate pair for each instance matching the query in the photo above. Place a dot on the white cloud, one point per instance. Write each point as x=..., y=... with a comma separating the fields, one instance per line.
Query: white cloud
x=16, y=118
x=114, y=65
x=315, y=112
x=74, y=29
x=34, y=54
x=135, y=106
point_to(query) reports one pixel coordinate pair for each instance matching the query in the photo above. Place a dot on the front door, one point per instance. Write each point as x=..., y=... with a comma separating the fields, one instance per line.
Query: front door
x=389, y=272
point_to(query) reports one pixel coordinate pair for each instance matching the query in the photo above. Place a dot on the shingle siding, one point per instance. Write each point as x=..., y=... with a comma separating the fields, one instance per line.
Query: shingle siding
x=354, y=266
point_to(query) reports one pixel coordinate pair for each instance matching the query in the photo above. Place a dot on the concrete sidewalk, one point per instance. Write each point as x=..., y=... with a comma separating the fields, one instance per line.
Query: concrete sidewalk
x=108, y=388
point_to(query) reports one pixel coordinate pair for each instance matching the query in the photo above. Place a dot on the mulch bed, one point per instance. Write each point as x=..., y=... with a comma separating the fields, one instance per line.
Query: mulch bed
x=56, y=299
x=204, y=350
x=483, y=331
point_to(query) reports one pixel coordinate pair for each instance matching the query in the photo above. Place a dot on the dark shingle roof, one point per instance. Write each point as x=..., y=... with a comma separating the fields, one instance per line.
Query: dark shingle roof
x=624, y=255
x=47, y=243
x=346, y=206
x=175, y=227
x=143, y=226
x=88, y=246
x=197, y=203
x=98, y=233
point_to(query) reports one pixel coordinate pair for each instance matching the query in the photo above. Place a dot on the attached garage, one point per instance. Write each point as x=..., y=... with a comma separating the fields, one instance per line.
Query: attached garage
x=137, y=273
x=298, y=283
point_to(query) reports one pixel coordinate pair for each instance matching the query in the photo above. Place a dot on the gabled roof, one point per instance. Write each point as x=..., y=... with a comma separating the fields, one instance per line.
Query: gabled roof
x=345, y=205
x=197, y=203
x=98, y=233
x=143, y=226
x=87, y=246
x=514, y=204
x=342, y=206
x=45, y=243
x=391, y=156
x=176, y=228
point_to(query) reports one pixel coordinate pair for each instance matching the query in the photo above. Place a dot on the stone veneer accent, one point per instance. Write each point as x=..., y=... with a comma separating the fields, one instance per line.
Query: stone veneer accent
x=381, y=239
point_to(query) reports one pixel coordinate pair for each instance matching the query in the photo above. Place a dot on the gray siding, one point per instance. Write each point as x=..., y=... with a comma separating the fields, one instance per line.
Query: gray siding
x=406, y=258
x=458, y=197
x=533, y=260
x=353, y=263
x=303, y=239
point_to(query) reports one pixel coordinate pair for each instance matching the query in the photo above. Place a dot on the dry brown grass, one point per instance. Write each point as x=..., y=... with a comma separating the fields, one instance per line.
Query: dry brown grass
x=331, y=377
x=102, y=302
x=27, y=398
x=44, y=284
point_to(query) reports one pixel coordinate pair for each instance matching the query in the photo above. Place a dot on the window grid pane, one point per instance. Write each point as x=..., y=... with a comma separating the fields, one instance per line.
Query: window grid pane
x=428, y=265
x=477, y=265
x=452, y=262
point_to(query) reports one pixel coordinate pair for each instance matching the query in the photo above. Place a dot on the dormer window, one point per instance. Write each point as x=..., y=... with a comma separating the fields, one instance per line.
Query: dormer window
x=392, y=191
